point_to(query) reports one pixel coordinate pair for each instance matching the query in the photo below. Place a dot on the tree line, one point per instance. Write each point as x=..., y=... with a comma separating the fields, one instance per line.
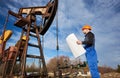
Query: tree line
x=64, y=61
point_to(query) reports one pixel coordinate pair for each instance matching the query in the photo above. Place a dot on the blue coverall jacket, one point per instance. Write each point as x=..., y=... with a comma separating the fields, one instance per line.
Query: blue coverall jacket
x=91, y=55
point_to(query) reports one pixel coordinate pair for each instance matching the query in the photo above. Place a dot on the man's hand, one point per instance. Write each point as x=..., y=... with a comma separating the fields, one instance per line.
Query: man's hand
x=79, y=42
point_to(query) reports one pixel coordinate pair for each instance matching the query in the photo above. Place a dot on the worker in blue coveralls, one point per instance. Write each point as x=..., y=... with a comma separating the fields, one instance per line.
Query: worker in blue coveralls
x=89, y=45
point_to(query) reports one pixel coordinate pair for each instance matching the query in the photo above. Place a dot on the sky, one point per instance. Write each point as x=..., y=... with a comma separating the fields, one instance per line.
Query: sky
x=102, y=15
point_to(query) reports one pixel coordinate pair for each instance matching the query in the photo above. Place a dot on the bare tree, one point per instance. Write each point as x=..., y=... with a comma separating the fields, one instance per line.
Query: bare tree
x=54, y=62
x=105, y=69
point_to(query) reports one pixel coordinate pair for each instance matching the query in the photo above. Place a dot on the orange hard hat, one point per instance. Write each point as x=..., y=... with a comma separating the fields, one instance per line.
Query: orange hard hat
x=87, y=27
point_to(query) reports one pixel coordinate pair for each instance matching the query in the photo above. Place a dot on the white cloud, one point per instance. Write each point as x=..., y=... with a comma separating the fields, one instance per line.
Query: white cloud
x=106, y=28
x=71, y=16
x=31, y=3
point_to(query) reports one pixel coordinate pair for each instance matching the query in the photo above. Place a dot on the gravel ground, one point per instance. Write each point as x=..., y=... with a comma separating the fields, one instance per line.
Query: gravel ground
x=106, y=75
x=111, y=75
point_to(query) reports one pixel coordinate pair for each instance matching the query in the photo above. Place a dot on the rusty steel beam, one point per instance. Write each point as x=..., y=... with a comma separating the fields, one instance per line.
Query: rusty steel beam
x=33, y=45
x=34, y=56
x=14, y=14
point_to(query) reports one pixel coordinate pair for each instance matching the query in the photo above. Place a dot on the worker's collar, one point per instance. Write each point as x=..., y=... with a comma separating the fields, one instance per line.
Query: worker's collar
x=87, y=33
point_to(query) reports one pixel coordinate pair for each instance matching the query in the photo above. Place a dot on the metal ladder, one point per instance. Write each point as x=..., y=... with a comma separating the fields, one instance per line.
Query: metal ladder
x=27, y=30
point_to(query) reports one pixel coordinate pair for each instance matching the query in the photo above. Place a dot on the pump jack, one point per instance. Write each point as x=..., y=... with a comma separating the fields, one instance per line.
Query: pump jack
x=27, y=21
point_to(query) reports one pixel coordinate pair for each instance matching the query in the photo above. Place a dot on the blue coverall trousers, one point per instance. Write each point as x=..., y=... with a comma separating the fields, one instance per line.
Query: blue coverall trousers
x=91, y=57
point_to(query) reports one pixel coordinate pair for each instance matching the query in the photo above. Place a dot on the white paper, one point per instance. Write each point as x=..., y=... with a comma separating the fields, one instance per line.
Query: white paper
x=76, y=49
